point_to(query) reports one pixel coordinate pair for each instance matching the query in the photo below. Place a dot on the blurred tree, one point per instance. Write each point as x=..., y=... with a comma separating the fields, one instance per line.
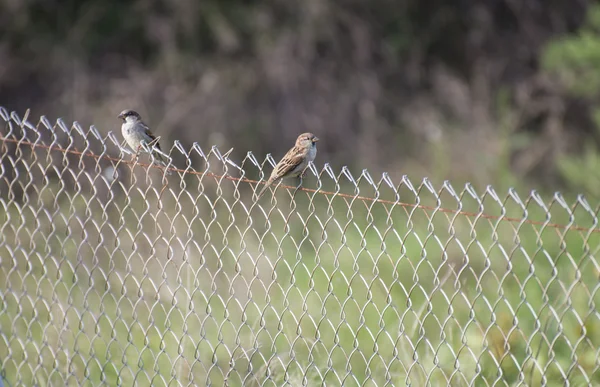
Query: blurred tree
x=575, y=60
x=407, y=85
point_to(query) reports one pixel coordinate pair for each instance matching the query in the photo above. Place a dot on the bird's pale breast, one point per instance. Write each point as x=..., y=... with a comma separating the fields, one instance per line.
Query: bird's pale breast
x=310, y=156
x=312, y=153
x=133, y=134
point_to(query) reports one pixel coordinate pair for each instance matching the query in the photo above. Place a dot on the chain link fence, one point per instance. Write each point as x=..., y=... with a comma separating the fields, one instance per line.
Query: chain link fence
x=113, y=273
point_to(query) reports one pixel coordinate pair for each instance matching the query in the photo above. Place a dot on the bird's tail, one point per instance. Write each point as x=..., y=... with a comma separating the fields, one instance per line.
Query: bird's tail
x=161, y=160
x=262, y=191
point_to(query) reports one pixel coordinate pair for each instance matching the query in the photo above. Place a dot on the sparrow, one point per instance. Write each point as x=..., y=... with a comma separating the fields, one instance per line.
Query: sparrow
x=135, y=131
x=295, y=161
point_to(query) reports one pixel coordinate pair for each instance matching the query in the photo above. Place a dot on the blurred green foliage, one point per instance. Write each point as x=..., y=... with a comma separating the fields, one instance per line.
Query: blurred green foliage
x=575, y=59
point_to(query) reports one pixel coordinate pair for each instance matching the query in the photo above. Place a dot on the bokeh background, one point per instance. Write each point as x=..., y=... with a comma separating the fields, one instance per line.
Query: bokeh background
x=495, y=91
x=124, y=281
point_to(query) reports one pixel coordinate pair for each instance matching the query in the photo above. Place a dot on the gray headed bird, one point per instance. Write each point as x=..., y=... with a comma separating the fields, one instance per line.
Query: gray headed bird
x=135, y=131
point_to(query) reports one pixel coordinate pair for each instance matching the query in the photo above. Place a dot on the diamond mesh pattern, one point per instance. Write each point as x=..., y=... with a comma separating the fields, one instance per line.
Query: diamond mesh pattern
x=115, y=274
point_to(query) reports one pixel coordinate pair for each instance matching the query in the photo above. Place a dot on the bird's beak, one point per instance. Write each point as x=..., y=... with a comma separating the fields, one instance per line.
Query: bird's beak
x=120, y=116
x=315, y=139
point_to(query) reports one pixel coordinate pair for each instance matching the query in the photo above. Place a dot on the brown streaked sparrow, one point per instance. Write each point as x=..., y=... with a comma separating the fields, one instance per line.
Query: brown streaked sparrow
x=135, y=131
x=295, y=161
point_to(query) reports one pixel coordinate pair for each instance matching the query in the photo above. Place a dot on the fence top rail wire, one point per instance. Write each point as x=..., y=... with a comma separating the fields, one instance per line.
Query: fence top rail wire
x=24, y=141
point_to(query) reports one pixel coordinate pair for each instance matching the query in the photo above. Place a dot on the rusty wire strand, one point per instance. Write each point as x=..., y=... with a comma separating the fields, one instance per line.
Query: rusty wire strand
x=309, y=190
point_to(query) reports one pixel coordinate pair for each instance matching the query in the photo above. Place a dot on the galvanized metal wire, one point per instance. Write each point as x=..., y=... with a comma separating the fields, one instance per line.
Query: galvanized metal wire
x=114, y=273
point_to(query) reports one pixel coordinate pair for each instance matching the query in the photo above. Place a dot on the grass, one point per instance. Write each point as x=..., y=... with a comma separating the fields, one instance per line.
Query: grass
x=110, y=289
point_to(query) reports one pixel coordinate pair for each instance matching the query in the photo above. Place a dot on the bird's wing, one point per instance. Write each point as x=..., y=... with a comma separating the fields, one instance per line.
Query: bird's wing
x=153, y=139
x=292, y=159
